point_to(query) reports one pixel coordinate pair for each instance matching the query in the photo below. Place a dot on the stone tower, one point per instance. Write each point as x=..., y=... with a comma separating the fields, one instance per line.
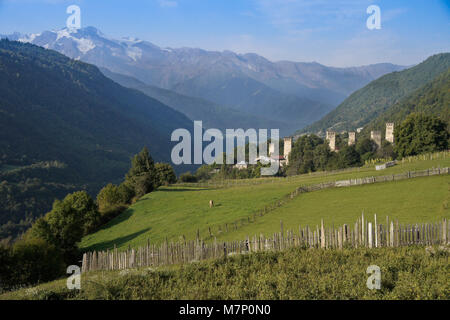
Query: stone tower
x=331, y=137
x=351, y=138
x=287, y=148
x=271, y=148
x=376, y=137
x=390, y=132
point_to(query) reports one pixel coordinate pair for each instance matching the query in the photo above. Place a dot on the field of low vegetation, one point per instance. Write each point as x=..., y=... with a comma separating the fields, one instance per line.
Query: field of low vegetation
x=406, y=273
x=176, y=211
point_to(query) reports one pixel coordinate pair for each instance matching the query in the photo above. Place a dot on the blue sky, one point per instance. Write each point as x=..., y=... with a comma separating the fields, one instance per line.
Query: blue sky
x=331, y=32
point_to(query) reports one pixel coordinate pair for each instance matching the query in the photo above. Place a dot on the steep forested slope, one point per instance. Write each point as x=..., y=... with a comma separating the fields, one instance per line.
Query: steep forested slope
x=433, y=98
x=64, y=125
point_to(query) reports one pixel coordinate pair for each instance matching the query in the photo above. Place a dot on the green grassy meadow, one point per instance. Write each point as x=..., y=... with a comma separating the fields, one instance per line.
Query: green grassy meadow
x=171, y=212
x=416, y=200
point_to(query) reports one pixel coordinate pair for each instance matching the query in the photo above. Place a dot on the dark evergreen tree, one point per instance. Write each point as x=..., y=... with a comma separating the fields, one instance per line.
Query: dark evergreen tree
x=142, y=176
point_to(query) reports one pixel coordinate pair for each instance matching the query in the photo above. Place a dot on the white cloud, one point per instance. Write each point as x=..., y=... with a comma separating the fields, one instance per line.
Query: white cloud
x=296, y=15
x=168, y=3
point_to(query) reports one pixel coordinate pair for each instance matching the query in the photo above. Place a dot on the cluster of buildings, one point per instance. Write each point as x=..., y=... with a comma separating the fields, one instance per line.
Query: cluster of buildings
x=331, y=138
x=281, y=159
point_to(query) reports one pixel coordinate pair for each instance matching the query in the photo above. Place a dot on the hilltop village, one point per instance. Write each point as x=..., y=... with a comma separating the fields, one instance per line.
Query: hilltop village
x=283, y=160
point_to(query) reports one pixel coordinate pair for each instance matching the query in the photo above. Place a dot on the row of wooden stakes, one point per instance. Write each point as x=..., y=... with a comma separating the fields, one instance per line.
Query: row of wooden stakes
x=362, y=234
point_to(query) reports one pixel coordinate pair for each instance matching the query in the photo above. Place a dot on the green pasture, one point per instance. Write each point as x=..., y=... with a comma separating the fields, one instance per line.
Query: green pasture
x=425, y=199
x=173, y=212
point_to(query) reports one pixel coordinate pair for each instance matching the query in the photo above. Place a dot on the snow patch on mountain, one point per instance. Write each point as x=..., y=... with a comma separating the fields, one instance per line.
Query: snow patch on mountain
x=65, y=33
x=134, y=53
x=28, y=38
x=129, y=40
x=84, y=45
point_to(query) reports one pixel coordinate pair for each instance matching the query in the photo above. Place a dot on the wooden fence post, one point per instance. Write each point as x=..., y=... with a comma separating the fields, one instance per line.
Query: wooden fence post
x=444, y=231
x=340, y=238
x=376, y=231
x=362, y=231
x=84, y=264
x=391, y=235
x=322, y=235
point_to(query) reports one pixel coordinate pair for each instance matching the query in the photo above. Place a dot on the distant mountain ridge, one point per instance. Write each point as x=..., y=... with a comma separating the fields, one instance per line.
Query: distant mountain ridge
x=293, y=92
x=211, y=114
x=376, y=99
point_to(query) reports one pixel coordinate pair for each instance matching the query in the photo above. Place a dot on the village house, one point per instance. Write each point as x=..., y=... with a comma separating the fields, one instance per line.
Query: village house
x=241, y=165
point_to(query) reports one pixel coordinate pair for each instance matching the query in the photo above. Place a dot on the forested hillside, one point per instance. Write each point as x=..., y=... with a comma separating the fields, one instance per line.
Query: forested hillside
x=66, y=126
x=378, y=96
x=433, y=98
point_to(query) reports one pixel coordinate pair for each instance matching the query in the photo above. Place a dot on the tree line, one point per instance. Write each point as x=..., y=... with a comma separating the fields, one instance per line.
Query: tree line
x=44, y=251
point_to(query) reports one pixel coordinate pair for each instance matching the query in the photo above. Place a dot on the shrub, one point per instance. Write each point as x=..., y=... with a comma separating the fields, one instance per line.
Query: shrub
x=36, y=261
x=188, y=177
x=203, y=173
x=110, y=195
x=69, y=220
x=126, y=192
x=29, y=262
x=349, y=157
x=165, y=174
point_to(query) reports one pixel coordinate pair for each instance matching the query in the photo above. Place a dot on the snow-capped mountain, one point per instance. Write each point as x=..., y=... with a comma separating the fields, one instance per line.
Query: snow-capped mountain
x=168, y=67
x=294, y=92
x=83, y=43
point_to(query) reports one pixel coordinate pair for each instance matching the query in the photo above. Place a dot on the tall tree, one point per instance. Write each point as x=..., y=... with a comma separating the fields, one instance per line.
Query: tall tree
x=302, y=157
x=142, y=174
x=69, y=220
x=421, y=133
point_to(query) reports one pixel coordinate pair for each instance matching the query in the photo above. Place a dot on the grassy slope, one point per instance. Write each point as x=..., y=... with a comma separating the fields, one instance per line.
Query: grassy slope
x=409, y=201
x=406, y=273
x=173, y=212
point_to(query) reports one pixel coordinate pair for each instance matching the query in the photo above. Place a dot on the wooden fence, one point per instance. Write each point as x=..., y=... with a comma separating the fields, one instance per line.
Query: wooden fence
x=362, y=234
